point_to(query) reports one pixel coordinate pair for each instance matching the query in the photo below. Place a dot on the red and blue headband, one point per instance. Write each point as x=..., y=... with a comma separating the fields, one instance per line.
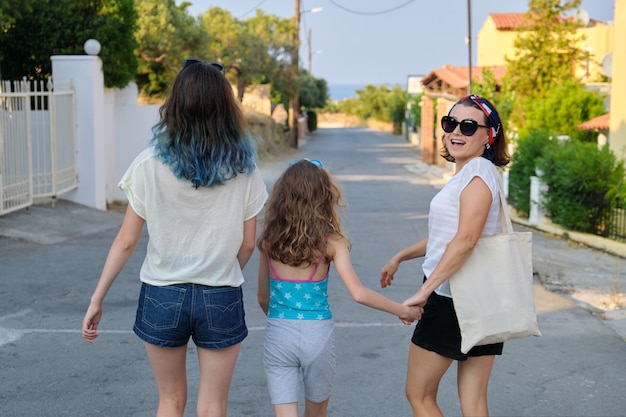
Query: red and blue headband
x=491, y=113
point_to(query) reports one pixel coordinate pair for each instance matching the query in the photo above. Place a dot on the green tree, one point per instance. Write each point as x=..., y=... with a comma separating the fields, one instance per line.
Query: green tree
x=10, y=10
x=114, y=27
x=546, y=48
x=253, y=50
x=545, y=53
x=313, y=91
x=276, y=34
x=373, y=102
x=61, y=27
x=565, y=106
x=396, y=108
x=350, y=106
x=378, y=103
x=166, y=35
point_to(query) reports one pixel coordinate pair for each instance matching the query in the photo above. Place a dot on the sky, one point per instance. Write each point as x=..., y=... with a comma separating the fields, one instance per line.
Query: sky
x=378, y=42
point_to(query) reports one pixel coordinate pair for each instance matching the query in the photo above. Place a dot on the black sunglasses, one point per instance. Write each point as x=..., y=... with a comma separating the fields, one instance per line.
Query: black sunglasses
x=191, y=61
x=468, y=126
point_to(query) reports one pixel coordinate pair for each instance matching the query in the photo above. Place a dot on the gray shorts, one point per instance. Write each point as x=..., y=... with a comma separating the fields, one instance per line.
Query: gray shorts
x=291, y=345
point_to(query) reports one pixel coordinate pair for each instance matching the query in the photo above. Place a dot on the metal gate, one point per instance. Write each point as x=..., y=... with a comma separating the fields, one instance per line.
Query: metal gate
x=38, y=146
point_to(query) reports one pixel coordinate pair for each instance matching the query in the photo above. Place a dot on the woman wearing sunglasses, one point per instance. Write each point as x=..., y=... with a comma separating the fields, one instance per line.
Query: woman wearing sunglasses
x=467, y=207
x=198, y=191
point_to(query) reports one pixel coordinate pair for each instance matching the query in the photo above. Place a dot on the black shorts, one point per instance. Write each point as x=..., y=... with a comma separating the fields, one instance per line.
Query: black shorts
x=438, y=331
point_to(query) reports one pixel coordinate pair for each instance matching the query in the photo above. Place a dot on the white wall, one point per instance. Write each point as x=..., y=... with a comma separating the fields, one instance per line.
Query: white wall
x=112, y=128
x=133, y=133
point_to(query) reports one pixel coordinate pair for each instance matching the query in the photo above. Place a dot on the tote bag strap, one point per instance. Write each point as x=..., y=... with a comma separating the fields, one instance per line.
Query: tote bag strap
x=507, y=226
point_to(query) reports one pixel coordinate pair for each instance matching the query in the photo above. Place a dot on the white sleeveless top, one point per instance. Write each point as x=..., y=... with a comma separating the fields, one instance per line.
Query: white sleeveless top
x=443, y=217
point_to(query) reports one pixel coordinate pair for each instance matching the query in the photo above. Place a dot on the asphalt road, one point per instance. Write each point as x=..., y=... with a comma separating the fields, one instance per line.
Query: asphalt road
x=50, y=260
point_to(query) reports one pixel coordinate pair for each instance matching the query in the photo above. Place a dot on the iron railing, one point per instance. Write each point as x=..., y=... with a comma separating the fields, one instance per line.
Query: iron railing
x=38, y=146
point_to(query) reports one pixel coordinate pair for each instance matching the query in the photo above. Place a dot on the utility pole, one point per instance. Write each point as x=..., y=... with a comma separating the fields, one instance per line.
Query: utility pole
x=295, y=101
x=308, y=42
x=469, y=44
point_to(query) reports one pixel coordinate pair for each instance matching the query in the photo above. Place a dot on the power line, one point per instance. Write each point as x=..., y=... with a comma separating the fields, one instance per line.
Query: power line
x=393, y=9
x=251, y=10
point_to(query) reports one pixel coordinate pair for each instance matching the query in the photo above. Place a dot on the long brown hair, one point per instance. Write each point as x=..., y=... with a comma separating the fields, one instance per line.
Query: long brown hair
x=300, y=215
x=202, y=133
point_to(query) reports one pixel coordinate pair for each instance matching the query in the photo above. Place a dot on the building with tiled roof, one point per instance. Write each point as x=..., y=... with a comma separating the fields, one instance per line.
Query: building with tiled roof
x=453, y=81
x=495, y=42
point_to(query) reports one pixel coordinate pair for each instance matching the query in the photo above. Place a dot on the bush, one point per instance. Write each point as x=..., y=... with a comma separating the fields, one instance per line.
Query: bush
x=581, y=181
x=523, y=164
x=311, y=120
x=566, y=106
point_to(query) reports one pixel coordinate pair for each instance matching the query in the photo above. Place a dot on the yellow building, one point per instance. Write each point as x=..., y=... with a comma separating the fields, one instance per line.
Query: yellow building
x=497, y=35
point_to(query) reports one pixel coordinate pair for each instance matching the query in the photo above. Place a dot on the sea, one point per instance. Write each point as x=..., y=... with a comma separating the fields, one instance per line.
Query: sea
x=338, y=92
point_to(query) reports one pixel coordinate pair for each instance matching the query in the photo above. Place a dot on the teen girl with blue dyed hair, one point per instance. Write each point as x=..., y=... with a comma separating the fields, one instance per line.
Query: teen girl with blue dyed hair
x=199, y=192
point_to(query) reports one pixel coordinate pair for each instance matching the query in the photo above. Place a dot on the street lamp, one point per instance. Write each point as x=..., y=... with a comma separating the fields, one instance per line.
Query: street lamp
x=309, y=51
x=295, y=102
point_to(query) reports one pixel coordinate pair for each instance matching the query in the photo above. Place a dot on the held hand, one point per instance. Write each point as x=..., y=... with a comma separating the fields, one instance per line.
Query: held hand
x=413, y=313
x=388, y=272
x=90, y=323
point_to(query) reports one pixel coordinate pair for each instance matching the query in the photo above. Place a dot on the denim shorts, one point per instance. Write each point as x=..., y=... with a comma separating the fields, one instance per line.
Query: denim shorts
x=168, y=315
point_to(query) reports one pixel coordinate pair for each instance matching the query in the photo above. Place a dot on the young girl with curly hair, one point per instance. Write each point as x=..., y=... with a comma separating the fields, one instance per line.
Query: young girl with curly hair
x=301, y=236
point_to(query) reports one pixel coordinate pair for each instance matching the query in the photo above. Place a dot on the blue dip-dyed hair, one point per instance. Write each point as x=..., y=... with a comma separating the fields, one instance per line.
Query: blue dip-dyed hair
x=201, y=132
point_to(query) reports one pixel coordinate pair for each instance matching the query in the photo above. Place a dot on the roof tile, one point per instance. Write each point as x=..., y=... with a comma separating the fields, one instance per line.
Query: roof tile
x=508, y=21
x=597, y=123
x=457, y=77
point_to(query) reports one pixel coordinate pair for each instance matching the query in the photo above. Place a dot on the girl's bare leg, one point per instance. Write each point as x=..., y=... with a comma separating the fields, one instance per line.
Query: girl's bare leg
x=170, y=372
x=286, y=410
x=316, y=409
x=216, y=373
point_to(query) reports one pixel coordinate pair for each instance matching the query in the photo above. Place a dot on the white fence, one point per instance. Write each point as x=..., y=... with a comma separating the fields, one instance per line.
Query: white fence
x=38, y=144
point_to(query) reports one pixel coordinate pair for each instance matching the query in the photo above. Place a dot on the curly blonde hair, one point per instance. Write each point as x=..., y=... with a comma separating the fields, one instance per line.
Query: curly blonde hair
x=300, y=215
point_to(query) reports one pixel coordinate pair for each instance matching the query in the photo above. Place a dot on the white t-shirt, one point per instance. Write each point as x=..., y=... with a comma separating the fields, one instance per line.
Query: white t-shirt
x=194, y=234
x=443, y=217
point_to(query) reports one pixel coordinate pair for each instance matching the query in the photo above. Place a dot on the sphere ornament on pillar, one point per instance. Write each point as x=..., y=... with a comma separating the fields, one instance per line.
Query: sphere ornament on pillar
x=92, y=47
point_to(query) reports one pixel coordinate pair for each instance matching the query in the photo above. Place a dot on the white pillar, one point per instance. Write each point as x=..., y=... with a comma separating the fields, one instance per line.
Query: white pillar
x=617, y=123
x=84, y=74
x=537, y=213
